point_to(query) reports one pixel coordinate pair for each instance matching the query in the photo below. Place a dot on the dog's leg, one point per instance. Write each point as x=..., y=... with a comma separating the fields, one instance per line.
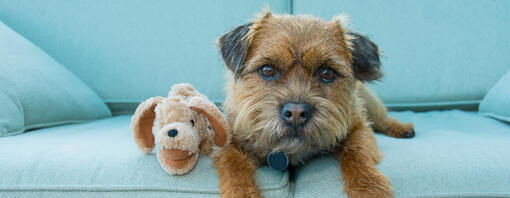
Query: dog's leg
x=236, y=173
x=358, y=158
x=377, y=114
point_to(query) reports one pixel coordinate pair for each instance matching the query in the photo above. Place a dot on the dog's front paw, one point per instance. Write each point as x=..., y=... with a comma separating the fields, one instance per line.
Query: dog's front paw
x=400, y=130
x=373, y=185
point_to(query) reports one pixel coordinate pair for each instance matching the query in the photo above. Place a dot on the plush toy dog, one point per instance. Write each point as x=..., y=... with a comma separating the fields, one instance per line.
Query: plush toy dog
x=180, y=125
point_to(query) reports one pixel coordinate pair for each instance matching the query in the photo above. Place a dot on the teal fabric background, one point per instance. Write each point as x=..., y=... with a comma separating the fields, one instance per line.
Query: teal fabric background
x=11, y=116
x=130, y=50
x=496, y=103
x=454, y=154
x=100, y=159
x=434, y=51
x=36, y=91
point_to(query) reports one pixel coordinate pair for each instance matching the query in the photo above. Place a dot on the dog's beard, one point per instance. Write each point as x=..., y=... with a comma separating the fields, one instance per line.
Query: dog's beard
x=261, y=129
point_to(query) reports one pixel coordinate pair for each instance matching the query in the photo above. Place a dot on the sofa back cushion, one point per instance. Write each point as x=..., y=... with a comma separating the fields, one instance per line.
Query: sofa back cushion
x=131, y=50
x=36, y=91
x=435, y=52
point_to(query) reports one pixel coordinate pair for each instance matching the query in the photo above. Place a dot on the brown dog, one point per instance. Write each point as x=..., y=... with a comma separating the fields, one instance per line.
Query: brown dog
x=297, y=87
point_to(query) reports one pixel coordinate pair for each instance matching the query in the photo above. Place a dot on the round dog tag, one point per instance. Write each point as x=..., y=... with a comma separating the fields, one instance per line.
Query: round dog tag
x=278, y=160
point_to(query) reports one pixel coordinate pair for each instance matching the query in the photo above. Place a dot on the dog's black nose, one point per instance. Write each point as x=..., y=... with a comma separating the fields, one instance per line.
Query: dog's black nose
x=296, y=114
x=172, y=132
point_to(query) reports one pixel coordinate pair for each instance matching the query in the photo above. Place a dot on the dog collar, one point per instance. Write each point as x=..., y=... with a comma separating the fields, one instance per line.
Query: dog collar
x=278, y=160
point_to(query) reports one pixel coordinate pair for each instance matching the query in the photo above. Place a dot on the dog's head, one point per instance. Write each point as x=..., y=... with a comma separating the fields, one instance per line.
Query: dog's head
x=293, y=82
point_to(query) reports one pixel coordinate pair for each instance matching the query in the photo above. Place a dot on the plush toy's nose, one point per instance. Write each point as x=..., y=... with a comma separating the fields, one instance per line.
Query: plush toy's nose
x=172, y=132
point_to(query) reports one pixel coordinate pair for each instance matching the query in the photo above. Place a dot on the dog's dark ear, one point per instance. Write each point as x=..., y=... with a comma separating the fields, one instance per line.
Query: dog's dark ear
x=365, y=58
x=234, y=47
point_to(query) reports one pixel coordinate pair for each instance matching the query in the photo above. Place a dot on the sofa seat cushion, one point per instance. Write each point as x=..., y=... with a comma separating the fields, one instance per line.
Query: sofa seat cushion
x=99, y=159
x=454, y=154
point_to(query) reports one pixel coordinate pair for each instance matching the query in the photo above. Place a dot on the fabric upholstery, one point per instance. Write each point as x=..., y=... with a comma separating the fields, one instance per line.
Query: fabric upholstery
x=36, y=91
x=496, y=103
x=130, y=50
x=454, y=154
x=436, y=54
x=100, y=159
x=433, y=51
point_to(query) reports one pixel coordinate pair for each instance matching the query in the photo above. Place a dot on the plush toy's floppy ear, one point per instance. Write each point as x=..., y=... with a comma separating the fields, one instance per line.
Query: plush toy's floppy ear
x=142, y=122
x=216, y=119
x=365, y=58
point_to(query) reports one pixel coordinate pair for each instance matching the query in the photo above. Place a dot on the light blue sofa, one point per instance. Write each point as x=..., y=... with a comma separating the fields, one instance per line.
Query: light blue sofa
x=440, y=60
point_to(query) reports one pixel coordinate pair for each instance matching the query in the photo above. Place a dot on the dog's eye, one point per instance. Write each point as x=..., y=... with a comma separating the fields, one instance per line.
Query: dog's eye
x=268, y=72
x=192, y=122
x=327, y=75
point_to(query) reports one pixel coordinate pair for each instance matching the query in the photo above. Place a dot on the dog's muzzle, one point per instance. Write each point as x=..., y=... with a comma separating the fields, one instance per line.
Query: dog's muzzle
x=296, y=114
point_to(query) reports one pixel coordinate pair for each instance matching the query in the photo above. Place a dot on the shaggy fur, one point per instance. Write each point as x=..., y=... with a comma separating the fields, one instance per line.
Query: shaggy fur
x=196, y=120
x=298, y=47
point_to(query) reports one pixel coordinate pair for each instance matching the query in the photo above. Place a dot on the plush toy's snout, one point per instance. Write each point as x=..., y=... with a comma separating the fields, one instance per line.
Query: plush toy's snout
x=178, y=127
x=179, y=136
x=178, y=147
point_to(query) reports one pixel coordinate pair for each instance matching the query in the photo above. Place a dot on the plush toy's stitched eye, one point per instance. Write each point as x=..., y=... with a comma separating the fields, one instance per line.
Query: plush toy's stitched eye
x=327, y=75
x=268, y=72
x=192, y=122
